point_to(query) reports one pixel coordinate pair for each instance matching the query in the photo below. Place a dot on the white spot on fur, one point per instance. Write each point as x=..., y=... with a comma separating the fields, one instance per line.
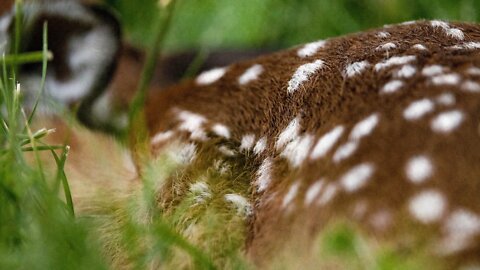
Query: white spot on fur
x=470, y=86
x=475, y=71
x=211, y=76
x=297, y=150
x=326, y=142
x=466, y=46
x=240, y=203
x=446, y=99
x=471, y=45
x=313, y=191
x=201, y=191
x=383, y=34
x=455, y=33
x=221, y=130
x=260, y=146
x=432, y=70
x=419, y=169
x=291, y=194
x=463, y=221
x=364, y=127
x=247, y=143
x=419, y=47
x=449, y=31
x=199, y=135
x=310, y=48
x=461, y=228
x=226, y=151
x=328, y=194
x=395, y=61
x=418, y=109
x=356, y=177
x=406, y=71
x=409, y=22
x=440, y=24
x=392, y=86
x=447, y=121
x=446, y=79
x=289, y=133
x=361, y=129
x=356, y=68
x=360, y=209
x=428, y=206
x=386, y=47
x=192, y=122
x=381, y=220
x=250, y=74
x=345, y=150
x=161, y=137
x=302, y=74
x=185, y=154
x=264, y=175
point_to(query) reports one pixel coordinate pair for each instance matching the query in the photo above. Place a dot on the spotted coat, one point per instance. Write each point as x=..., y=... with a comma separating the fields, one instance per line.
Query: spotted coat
x=386, y=119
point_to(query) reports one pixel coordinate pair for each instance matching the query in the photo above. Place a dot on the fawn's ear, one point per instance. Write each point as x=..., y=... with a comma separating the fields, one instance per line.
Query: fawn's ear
x=85, y=42
x=5, y=6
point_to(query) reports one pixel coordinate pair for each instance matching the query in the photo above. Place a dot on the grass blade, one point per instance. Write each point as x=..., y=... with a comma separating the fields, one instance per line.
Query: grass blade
x=63, y=178
x=34, y=147
x=27, y=58
x=136, y=121
x=44, y=71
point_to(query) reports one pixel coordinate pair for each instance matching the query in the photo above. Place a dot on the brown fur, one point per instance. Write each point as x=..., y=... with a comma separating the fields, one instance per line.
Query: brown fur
x=329, y=98
x=170, y=70
x=5, y=6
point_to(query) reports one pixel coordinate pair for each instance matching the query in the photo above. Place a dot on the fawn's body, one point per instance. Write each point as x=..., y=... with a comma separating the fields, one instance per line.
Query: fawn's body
x=380, y=127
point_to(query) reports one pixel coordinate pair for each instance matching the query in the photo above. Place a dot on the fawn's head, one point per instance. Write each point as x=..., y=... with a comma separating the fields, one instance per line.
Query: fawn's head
x=92, y=67
x=84, y=40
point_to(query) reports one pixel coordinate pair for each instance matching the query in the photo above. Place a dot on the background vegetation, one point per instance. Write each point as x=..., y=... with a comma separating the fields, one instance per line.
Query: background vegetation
x=279, y=23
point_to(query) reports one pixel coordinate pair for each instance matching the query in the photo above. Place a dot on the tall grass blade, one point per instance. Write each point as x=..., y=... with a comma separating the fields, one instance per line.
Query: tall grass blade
x=62, y=177
x=135, y=114
x=45, y=58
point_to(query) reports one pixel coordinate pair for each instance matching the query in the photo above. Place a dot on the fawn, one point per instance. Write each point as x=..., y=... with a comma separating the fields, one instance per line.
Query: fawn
x=378, y=128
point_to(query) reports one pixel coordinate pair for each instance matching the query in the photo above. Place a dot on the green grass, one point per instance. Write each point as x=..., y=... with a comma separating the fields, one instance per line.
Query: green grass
x=162, y=221
x=38, y=229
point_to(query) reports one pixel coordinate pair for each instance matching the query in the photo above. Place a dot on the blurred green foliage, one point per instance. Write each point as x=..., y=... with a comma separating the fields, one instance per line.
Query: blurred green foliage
x=279, y=23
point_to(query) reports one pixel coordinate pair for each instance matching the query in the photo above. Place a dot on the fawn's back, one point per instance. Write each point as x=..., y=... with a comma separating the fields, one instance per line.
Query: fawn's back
x=380, y=128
